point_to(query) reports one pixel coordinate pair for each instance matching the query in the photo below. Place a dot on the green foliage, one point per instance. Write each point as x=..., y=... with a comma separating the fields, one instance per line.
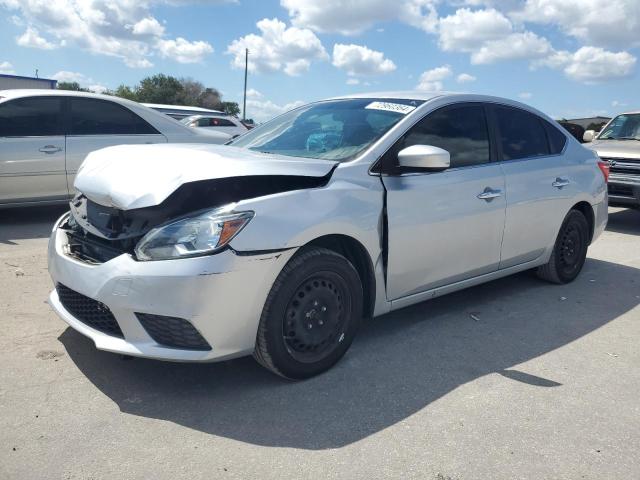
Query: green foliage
x=168, y=90
x=74, y=86
x=232, y=108
x=159, y=89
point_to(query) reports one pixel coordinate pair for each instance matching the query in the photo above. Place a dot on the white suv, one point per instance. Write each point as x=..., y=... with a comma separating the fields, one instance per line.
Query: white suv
x=46, y=134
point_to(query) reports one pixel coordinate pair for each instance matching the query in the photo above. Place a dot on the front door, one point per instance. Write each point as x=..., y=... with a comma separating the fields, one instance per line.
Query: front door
x=444, y=227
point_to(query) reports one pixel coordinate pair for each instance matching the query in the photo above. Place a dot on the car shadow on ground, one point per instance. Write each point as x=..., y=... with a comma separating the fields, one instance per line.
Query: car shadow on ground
x=624, y=221
x=28, y=223
x=399, y=364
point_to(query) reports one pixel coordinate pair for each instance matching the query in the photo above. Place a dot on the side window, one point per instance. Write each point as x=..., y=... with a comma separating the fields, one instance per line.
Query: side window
x=31, y=117
x=461, y=130
x=221, y=122
x=91, y=116
x=522, y=134
x=556, y=139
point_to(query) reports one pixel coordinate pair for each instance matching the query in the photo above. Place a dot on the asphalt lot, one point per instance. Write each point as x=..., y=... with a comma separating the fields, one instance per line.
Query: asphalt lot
x=512, y=379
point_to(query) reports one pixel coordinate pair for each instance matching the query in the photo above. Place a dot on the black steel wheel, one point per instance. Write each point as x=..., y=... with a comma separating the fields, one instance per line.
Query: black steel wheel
x=570, y=250
x=311, y=315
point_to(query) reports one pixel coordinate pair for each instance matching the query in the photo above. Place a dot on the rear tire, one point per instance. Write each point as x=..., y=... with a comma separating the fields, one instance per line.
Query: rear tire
x=569, y=251
x=311, y=315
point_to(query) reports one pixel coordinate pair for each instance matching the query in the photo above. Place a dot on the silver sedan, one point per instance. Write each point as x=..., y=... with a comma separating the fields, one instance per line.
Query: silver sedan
x=281, y=243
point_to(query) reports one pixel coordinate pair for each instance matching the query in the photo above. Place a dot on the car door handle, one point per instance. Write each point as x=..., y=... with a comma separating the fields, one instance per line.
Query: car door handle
x=50, y=149
x=489, y=194
x=560, y=182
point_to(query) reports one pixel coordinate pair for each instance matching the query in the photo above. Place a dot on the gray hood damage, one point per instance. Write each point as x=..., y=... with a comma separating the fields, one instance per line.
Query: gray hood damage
x=129, y=177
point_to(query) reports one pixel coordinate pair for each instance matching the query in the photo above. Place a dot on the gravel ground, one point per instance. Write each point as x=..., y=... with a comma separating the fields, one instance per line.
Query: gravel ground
x=512, y=379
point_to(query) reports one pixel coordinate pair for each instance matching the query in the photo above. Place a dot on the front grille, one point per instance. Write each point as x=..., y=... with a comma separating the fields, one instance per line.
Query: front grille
x=89, y=311
x=624, y=165
x=173, y=332
x=92, y=249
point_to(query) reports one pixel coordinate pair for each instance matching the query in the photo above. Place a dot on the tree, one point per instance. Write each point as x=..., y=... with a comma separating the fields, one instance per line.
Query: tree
x=127, y=92
x=74, y=86
x=232, y=108
x=159, y=89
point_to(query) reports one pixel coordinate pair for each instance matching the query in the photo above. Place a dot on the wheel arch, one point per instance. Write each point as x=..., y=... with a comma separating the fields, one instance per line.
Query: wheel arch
x=357, y=254
x=587, y=210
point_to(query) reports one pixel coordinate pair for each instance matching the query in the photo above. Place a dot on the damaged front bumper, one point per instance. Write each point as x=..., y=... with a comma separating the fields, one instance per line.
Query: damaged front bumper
x=216, y=298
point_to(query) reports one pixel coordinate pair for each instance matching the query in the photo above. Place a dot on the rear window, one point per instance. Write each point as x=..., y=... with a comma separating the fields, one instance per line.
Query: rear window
x=522, y=134
x=91, y=116
x=31, y=117
x=557, y=139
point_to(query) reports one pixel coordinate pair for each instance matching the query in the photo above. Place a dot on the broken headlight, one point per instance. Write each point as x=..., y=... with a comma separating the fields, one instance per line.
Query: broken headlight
x=202, y=234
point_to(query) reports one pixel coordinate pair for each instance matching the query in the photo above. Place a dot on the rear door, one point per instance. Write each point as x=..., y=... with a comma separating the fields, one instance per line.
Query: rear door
x=32, y=150
x=539, y=183
x=444, y=227
x=95, y=123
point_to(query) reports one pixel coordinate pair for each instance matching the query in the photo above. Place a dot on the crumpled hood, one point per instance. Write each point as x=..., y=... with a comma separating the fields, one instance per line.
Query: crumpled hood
x=137, y=176
x=615, y=148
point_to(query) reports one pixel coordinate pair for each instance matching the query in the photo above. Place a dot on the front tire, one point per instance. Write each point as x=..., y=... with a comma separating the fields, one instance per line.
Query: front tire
x=311, y=315
x=569, y=251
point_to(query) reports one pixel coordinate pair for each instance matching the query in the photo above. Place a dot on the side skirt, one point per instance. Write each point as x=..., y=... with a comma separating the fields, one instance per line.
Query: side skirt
x=454, y=287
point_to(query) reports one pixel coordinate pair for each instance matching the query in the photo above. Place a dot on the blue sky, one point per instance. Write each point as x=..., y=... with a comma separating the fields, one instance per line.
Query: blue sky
x=566, y=57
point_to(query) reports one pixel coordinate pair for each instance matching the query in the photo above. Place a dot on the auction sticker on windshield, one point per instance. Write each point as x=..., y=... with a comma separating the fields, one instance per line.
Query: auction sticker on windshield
x=391, y=107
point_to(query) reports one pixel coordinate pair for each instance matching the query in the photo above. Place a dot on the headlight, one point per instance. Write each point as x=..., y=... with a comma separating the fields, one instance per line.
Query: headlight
x=201, y=234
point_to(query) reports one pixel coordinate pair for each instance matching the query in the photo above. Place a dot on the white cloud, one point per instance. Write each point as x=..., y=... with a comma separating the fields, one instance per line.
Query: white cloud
x=6, y=68
x=353, y=81
x=97, y=88
x=525, y=95
x=591, y=64
x=123, y=29
x=360, y=60
x=465, y=78
x=184, y=51
x=516, y=46
x=489, y=36
x=431, y=80
x=617, y=103
x=356, y=16
x=263, y=110
x=612, y=24
x=67, y=76
x=277, y=48
x=253, y=93
x=467, y=30
x=32, y=39
x=80, y=78
x=148, y=26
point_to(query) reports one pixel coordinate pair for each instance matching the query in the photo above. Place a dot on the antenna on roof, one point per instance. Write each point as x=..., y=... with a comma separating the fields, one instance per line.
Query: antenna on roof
x=37, y=73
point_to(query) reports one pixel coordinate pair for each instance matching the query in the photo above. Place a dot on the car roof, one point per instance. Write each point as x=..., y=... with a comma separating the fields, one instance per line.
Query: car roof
x=38, y=92
x=185, y=108
x=633, y=112
x=397, y=95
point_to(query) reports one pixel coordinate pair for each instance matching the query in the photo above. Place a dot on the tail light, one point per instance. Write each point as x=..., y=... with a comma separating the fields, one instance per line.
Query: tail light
x=604, y=168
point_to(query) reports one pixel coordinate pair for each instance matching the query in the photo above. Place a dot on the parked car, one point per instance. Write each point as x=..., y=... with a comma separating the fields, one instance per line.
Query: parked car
x=221, y=123
x=619, y=144
x=574, y=129
x=46, y=134
x=279, y=244
x=179, y=112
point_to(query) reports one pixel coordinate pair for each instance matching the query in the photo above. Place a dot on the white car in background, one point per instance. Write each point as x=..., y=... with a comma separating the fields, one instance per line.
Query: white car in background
x=221, y=123
x=46, y=134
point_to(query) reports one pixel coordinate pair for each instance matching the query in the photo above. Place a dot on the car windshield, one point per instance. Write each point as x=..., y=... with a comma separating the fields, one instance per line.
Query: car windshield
x=332, y=130
x=623, y=127
x=187, y=120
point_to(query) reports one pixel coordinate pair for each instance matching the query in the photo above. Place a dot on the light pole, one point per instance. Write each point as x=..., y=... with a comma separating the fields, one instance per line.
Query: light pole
x=246, y=68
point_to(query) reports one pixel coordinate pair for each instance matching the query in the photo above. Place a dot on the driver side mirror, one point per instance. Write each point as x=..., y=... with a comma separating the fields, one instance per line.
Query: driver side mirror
x=425, y=157
x=588, y=136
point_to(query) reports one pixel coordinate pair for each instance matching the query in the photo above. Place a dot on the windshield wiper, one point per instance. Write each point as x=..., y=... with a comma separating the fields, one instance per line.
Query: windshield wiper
x=628, y=138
